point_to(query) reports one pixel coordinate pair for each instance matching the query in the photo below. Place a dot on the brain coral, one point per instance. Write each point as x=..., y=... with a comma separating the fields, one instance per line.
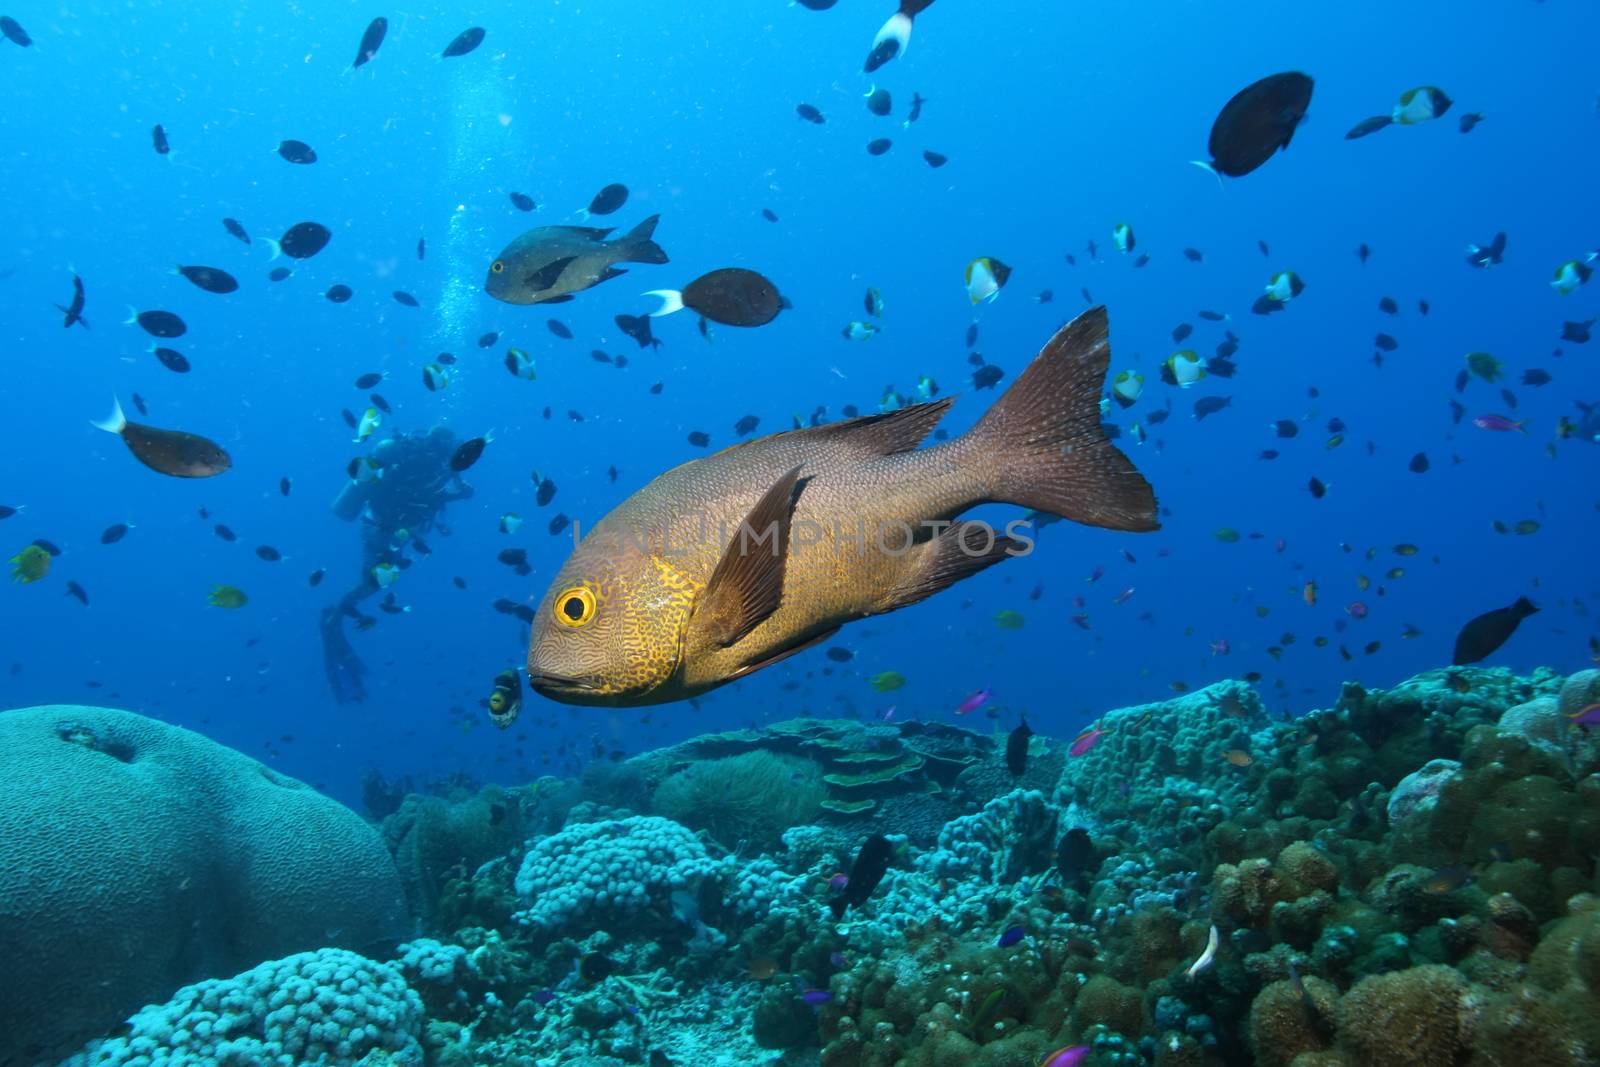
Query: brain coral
x=136, y=857
x=329, y=1007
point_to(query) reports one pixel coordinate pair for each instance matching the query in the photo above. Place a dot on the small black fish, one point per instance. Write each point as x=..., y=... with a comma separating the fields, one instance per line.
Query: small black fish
x=76, y=590
x=1385, y=343
x=1017, y=748
x=283, y=486
x=1479, y=638
x=1318, y=488
x=235, y=227
x=370, y=41
x=934, y=159
x=339, y=294
x=211, y=279
x=459, y=582
x=1576, y=332
x=810, y=114
x=611, y=474
x=73, y=312
x=608, y=200
x=422, y=248
x=1210, y=405
x=467, y=454
x=171, y=359
x=840, y=654
x=445, y=359
x=48, y=546
x=879, y=101
x=1388, y=306
x=349, y=417
x=699, y=439
x=768, y=214
x=1470, y=120
x=987, y=376
x=559, y=328
x=878, y=146
x=1363, y=253
x=297, y=152
x=380, y=403
x=1045, y=296
x=1257, y=122
x=915, y=112
x=1489, y=255
x=1221, y=366
x=599, y=357
x=278, y=274
x=15, y=34
x=556, y=525
x=138, y=403
x=1286, y=428
x=405, y=298
x=114, y=533
x=268, y=553
x=656, y=387
x=638, y=328
x=1265, y=251
x=465, y=42
x=1181, y=332
x=158, y=323
x=545, y=493
x=1212, y=316
x=488, y=340
x=746, y=424
x=225, y=533
x=1368, y=126
x=1535, y=376
x=1194, y=255
x=316, y=578
x=1075, y=855
x=158, y=138
x=865, y=874
x=1419, y=463
x=302, y=240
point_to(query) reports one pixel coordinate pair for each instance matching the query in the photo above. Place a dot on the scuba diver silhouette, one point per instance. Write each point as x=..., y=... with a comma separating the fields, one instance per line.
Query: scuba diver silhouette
x=399, y=494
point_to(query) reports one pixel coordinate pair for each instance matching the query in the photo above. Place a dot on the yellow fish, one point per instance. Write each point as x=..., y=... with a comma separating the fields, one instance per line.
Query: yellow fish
x=814, y=528
x=227, y=596
x=29, y=565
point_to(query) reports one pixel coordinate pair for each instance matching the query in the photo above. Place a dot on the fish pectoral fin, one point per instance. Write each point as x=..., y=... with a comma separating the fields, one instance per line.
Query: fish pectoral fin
x=959, y=552
x=782, y=654
x=546, y=276
x=609, y=273
x=747, y=584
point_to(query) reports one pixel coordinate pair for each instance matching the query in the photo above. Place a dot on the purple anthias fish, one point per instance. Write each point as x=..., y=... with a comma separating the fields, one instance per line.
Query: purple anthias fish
x=815, y=997
x=1497, y=423
x=1589, y=716
x=1012, y=936
x=1070, y=1056
x=975, y=701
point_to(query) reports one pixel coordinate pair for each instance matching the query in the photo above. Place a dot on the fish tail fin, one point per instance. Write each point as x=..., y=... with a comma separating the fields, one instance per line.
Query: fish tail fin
x=1524, y=607
x=116, y=422
x=277, y=249
x=643, y=249
x=838, y=905
x=133, y=316
x=1203, y=165
x=896, y=29
x=1042, y=446
x=671, y=300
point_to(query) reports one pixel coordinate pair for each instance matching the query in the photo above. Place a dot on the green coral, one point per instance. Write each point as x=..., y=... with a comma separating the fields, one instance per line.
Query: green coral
x=752, y=797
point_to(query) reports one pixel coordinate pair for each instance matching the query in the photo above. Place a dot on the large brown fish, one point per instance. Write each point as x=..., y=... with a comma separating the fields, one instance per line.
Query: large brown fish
x=730, y=563
x=548, y=264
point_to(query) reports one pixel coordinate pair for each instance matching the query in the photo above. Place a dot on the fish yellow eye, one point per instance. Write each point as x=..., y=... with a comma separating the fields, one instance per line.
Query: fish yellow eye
x=575, y=607
x=497, y=267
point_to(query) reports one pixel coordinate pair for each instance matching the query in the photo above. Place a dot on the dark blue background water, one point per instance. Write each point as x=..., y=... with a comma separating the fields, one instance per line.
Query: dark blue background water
x=1059, y=120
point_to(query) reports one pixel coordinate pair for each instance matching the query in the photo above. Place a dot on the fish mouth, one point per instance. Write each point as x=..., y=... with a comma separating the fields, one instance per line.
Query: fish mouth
x=558, y=685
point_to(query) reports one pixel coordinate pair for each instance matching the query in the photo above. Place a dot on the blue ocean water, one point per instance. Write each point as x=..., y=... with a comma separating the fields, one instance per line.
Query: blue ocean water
x=1059, y=121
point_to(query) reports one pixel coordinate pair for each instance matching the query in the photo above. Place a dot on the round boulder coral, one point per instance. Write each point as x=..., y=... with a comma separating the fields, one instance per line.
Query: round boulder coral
x=1418, y=792
x=136, y=857
x=1421, y=1017
x=1286, y=1022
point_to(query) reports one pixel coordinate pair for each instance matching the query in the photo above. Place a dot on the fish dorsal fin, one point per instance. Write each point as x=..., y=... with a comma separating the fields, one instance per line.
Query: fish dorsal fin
x=747, y=584
x=586, y=233
x=545, y=277
x=882, y=435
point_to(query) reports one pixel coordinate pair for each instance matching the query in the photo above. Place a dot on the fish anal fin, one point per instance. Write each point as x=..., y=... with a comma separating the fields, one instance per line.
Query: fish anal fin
x=958, y=552
x=609, y=273
x=747, y=584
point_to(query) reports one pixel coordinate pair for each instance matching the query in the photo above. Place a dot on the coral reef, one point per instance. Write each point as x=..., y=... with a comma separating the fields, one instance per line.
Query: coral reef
x=136, y=857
